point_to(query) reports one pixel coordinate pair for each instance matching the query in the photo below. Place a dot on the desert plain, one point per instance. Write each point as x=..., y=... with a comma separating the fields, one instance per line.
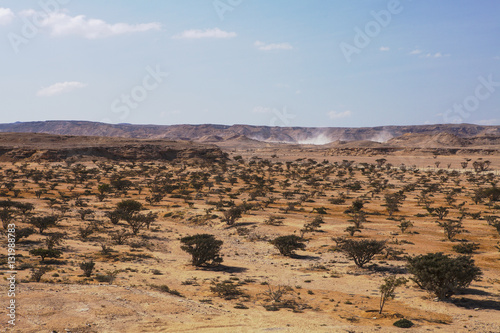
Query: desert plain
x=246, y=193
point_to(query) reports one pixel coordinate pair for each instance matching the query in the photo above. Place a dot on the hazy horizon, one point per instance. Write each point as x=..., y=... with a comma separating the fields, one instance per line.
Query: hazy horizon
x=241, y=124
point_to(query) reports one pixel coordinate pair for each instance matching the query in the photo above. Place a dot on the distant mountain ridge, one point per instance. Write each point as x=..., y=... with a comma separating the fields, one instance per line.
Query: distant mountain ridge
x=213, y=133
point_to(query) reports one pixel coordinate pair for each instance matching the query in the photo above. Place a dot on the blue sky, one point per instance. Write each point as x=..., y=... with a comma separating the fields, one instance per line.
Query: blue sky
x=258, y=62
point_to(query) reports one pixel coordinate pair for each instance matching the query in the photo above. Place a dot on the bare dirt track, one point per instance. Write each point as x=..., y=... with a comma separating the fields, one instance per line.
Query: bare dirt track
x=156, y=288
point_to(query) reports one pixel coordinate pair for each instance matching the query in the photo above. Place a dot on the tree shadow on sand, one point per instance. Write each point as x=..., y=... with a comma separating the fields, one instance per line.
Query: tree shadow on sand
x=304, y=257
x=243, y=224
x=387, y=269
x=229, y=269
x=469, y=303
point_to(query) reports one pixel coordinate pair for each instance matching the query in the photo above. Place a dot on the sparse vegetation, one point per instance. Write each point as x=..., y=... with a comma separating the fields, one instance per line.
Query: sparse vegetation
x=134, y=221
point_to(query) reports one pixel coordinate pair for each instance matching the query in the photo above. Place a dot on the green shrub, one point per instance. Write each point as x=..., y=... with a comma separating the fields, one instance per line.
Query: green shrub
x=337, y=201
x=232, y=214
x=287, y=245
x=165, y=289
x=226, y=290
x=387, y=289
x=45, y=253
x=103, y=278
x=403, y=323
x=87, y=267
x=109, y=277
x=405, y=225
x=24, y=233
x=441, y=274
x=271, y=307
x=204, y=249
x=37, y=273
x=362, y=251
x=43, y=222
x=466, y=248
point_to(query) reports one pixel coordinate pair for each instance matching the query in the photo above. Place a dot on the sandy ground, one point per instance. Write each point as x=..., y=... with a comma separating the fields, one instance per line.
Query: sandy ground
x=339, y=296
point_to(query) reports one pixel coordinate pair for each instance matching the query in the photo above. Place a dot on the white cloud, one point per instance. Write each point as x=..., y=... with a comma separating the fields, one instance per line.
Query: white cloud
x=207, y=33
x=428, y=54
x=262, y=109
x=337, y=115
x=59, y=88
x=489, y=122
x=30, y=12
x=270, y=47
x=435, y=55
x=169, y=113
x=384, y=48
x=6, y=16
x=61, y=24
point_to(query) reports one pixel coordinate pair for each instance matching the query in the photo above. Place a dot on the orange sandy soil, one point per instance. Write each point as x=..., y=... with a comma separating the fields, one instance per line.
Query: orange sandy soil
x=340, y=297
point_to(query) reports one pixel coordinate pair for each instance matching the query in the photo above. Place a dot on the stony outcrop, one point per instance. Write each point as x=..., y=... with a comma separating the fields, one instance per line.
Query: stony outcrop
x=46, y=147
